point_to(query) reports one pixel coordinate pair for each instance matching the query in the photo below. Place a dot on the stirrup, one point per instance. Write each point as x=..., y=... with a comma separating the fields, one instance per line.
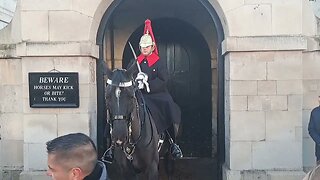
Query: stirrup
x=108, y=156
x=175, y=151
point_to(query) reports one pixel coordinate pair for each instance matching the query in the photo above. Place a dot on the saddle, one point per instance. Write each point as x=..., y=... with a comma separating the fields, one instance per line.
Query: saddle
x=144, y=111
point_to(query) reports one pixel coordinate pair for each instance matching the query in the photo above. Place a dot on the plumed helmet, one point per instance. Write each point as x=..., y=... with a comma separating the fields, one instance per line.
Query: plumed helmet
x=146, y=40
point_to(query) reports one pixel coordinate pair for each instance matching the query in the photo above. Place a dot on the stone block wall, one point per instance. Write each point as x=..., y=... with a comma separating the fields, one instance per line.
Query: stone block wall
x=265, y=90
x=271, y=80
x=11, y=118
x=49, y=122
x=261, y=87
x=67, y=20
x=24, y=130
x=267, y=18
x=311, y=91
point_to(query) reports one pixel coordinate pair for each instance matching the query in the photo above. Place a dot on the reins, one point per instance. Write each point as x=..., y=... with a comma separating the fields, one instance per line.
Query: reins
x=145, y=111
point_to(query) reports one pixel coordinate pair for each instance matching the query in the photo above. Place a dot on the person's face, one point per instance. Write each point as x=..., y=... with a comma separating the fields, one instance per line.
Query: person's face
x=146, y=51
x=58, y=172
x=319, y=99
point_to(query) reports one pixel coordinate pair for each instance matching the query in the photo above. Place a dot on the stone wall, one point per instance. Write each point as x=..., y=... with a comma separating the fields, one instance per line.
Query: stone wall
x=264, y=86
x=271, y=70
x=311, y=91
x=11, y=118
x=44, y=35
x=266, y=100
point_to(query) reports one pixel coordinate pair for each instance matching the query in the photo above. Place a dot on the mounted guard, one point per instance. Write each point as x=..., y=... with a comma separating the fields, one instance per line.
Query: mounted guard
x=151, y=78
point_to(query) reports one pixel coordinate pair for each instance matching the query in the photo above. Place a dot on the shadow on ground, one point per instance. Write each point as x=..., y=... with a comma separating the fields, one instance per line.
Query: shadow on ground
x=185, y=169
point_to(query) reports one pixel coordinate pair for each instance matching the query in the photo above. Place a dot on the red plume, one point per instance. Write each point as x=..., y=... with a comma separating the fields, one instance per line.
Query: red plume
x=154, y=57
x=148, y=30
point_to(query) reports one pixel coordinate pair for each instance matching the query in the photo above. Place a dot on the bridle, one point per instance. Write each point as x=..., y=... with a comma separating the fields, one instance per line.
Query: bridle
x=129, y=146
x=118, y=91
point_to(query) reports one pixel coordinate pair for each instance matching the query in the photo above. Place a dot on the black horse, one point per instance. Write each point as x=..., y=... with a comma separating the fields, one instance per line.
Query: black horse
x=133, y=132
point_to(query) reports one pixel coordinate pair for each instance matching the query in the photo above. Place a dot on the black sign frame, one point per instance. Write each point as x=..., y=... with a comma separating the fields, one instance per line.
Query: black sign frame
x=54, y=89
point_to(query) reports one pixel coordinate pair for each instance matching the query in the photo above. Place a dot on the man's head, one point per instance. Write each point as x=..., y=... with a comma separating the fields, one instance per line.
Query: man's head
x=71, y=157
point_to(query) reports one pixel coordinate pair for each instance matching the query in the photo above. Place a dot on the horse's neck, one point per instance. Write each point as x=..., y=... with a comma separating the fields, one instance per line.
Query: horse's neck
x=136, y=123
x=142, y=124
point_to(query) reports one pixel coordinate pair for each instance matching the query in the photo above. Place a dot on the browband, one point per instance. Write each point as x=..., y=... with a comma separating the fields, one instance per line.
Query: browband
x=121, y=84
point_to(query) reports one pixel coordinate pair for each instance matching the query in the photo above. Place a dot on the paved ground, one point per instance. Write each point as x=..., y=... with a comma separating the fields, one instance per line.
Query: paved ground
x=185, y=169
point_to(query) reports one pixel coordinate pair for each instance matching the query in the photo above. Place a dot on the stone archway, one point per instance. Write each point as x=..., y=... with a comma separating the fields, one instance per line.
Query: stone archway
x=112, y=36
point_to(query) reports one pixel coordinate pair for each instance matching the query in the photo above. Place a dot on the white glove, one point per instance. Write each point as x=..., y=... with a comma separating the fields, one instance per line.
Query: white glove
x=142, y=80
x=140, y=84
x=141, y=76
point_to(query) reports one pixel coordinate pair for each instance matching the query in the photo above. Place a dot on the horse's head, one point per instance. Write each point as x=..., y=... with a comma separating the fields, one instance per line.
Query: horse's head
x=120, y=102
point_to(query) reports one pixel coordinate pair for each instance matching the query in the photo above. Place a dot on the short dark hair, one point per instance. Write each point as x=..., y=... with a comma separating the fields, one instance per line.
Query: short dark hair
x=75, y=149
x=68, y=142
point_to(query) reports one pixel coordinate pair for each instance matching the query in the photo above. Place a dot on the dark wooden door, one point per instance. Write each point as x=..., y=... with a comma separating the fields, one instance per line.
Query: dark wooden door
x=191, y=91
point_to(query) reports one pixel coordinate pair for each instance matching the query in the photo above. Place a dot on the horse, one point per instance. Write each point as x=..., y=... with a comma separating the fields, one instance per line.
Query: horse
x=133, y=132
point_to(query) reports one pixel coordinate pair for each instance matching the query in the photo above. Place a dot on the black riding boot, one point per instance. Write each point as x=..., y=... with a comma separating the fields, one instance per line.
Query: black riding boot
x=108, y=155
x=175, y=150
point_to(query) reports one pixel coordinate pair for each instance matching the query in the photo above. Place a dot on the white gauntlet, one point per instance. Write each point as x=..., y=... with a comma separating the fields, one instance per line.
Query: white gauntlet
x=142, y=76
x=142, y=80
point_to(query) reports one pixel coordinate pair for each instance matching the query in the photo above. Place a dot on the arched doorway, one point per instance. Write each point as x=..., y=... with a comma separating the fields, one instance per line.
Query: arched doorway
x=189, y=60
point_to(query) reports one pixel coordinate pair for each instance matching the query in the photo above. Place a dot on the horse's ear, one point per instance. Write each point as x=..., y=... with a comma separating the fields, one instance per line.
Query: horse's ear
x=132, y=68
x=106, y=70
